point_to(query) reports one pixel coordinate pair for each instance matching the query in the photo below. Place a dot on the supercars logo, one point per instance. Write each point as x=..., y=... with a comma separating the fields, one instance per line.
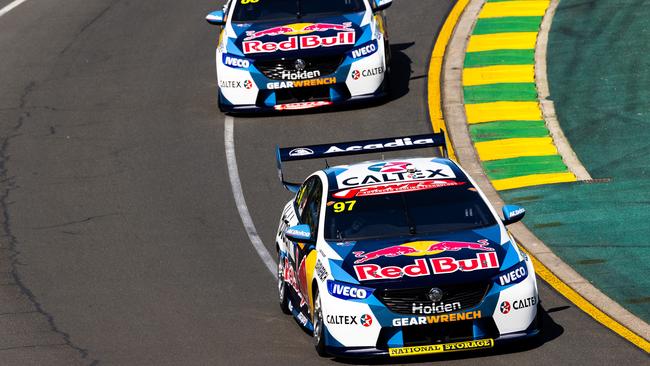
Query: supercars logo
x=297, y=29
x=436, y=266
x=421, y=248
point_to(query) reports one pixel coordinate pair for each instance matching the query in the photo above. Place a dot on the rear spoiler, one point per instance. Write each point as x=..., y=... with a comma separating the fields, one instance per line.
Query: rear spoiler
x=356, y=148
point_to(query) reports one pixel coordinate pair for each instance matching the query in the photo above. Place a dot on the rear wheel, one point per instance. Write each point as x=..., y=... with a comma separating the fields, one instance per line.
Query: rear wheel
x=319, y=331
x=282, y=287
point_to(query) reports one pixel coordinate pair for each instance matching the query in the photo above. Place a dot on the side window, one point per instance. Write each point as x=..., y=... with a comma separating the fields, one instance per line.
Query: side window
x=311, y=211
x=303, y=194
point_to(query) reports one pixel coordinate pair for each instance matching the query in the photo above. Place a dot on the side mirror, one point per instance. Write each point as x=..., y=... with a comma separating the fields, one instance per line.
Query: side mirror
x=512, y=214
x=382, y=4
x=216, y=18
x=300, y=233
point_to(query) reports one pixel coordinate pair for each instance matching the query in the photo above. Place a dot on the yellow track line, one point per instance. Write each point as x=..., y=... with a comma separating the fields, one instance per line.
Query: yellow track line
x=542, y=271
x=435, y=69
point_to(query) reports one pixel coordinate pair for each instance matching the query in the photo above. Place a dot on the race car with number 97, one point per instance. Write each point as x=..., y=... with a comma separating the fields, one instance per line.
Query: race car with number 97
x=400, y=257
x=299, y=54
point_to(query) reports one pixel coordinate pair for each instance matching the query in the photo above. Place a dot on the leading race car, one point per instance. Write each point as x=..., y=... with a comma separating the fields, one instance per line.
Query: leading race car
x=299, y=54
x=400, y=257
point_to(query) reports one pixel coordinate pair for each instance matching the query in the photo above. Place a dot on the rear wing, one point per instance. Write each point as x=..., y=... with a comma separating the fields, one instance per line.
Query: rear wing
x=356, y=148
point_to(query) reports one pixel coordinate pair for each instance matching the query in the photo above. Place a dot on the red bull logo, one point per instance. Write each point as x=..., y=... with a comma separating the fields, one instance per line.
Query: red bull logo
x=421, y=248
x=422, y=267
x=297, y=29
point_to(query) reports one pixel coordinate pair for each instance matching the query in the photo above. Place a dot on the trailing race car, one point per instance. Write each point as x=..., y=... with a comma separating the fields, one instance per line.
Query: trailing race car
x=299, y=54
x=400, y=257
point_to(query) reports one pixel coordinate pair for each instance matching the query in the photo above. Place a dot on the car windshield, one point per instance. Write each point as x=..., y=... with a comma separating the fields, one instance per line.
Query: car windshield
x=355, y=215
x=265, y=10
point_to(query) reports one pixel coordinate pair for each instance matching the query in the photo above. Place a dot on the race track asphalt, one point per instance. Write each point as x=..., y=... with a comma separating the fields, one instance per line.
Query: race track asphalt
x=121, y=241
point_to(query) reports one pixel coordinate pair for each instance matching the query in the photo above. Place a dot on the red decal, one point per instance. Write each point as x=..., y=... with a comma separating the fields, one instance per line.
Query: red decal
x=390, y=188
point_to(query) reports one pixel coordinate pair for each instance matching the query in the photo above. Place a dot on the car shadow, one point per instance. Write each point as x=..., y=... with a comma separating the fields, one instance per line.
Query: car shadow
x=399, y=78
x=549, y=331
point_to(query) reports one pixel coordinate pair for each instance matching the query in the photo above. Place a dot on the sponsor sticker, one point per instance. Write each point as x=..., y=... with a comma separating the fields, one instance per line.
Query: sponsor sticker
x=366, y=320
x=441, y=348
x=505, y=306
x=235, y=62
x=380, y=189
x=434, y=308
x=238, y=84
x=357, y=74
x=321, y=272
x=421, y=267
x=297, y=29
x=436, y=319
x=348, y=291
x=299, y=43
x=301, y=105
x=301, y=151
x=421, y=248
x=301, y=84
x=513, y=275
x=299, y=75
x=364, y=50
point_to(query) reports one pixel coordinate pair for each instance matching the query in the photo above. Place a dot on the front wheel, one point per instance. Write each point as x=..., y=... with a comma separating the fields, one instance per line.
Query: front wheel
x=319, y=331
x=282, y=287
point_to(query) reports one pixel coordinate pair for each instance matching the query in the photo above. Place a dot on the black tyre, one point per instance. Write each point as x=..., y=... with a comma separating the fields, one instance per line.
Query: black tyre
x=282, y=287
x=319, y=330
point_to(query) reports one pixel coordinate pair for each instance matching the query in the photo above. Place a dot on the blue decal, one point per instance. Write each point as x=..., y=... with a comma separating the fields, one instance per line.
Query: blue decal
x=348, y=291
x=512, y=275
x=364, y=50
x=235, y=62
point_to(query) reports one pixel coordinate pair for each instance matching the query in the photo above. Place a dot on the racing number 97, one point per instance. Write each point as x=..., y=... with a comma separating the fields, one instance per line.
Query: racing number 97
x=344, y=206
x=244, y=2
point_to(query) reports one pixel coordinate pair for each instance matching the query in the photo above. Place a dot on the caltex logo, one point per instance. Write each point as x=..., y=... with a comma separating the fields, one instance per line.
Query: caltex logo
x=248, y=84
x=356, y=74
x=366, y=320
x=505, y=307
x=391, y=167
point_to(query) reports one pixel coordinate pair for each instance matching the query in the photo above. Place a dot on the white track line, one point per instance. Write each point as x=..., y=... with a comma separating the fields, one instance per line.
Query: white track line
x=238, y=193
x=10, y=7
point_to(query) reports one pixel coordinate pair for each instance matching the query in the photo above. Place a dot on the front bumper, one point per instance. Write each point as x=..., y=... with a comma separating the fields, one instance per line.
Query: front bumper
x=506, y=313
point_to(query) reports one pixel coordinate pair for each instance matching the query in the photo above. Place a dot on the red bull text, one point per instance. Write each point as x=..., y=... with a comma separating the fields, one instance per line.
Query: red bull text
x=296, y=43
x=443, y=265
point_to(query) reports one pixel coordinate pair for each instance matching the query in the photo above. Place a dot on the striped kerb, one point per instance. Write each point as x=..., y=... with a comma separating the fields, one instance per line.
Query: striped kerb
x=501, y=102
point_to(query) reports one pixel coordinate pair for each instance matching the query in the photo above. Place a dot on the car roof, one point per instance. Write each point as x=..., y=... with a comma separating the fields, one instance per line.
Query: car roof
x=393, y=171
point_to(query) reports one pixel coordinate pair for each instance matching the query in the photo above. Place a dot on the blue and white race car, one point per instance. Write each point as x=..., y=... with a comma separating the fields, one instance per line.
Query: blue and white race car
x=400, y=257
x=299, y=54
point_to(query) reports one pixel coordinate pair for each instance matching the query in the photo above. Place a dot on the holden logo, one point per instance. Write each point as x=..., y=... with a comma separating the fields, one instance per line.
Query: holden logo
x=301, y=151
x=505, y=307
x=300, y=64
x=435, y=294
x=356, y=74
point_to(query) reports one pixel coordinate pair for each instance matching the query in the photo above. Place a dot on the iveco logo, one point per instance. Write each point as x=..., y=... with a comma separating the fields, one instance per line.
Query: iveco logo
x=300, y=64
x=435, y=294
x=301, y=151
